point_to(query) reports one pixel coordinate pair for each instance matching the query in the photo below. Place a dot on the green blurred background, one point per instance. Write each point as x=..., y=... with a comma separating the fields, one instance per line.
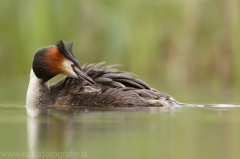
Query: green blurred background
x=188, y=49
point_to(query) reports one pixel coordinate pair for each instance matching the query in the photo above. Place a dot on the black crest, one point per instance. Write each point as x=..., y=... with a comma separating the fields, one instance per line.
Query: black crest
x=67, y=52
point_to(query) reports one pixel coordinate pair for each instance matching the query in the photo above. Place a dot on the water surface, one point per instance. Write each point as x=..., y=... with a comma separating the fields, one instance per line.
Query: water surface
x=184, y=132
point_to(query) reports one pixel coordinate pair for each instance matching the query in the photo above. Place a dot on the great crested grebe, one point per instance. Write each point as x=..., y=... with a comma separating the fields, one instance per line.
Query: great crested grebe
x=89, y=85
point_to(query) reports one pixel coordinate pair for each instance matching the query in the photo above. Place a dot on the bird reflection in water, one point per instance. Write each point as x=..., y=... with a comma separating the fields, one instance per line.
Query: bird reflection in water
x=51, y=132
x=76, y=130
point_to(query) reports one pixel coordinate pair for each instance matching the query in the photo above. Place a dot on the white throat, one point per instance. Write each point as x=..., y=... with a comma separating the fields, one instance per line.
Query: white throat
x=35, y=91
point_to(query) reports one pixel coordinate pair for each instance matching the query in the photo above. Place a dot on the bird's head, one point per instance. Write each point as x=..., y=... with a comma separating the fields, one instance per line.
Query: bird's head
x=57, y=59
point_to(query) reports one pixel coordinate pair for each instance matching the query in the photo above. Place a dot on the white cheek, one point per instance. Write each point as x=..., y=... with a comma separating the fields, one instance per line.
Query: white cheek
x=67, y=69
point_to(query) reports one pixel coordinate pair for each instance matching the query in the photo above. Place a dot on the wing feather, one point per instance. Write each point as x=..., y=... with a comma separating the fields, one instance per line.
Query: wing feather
x=108, y=75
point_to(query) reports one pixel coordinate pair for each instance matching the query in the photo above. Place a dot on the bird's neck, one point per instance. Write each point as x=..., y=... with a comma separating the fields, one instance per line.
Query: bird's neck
x=38, y=92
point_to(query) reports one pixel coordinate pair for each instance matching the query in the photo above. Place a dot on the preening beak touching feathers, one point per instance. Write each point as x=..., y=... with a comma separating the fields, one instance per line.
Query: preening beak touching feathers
x=89, y=85
x=53, y=60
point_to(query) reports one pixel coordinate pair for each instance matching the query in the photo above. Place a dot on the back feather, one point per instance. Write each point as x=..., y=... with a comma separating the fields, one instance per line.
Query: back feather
x=104, y=75
x=107, y=75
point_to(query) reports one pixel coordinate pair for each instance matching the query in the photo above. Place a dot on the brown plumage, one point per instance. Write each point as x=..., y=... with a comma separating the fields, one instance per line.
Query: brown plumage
x=54, y=59
x=118, y=89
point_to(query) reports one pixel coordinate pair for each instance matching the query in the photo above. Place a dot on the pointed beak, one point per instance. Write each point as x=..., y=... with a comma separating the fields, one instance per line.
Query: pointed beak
x=83, y=75
x=95, y=86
